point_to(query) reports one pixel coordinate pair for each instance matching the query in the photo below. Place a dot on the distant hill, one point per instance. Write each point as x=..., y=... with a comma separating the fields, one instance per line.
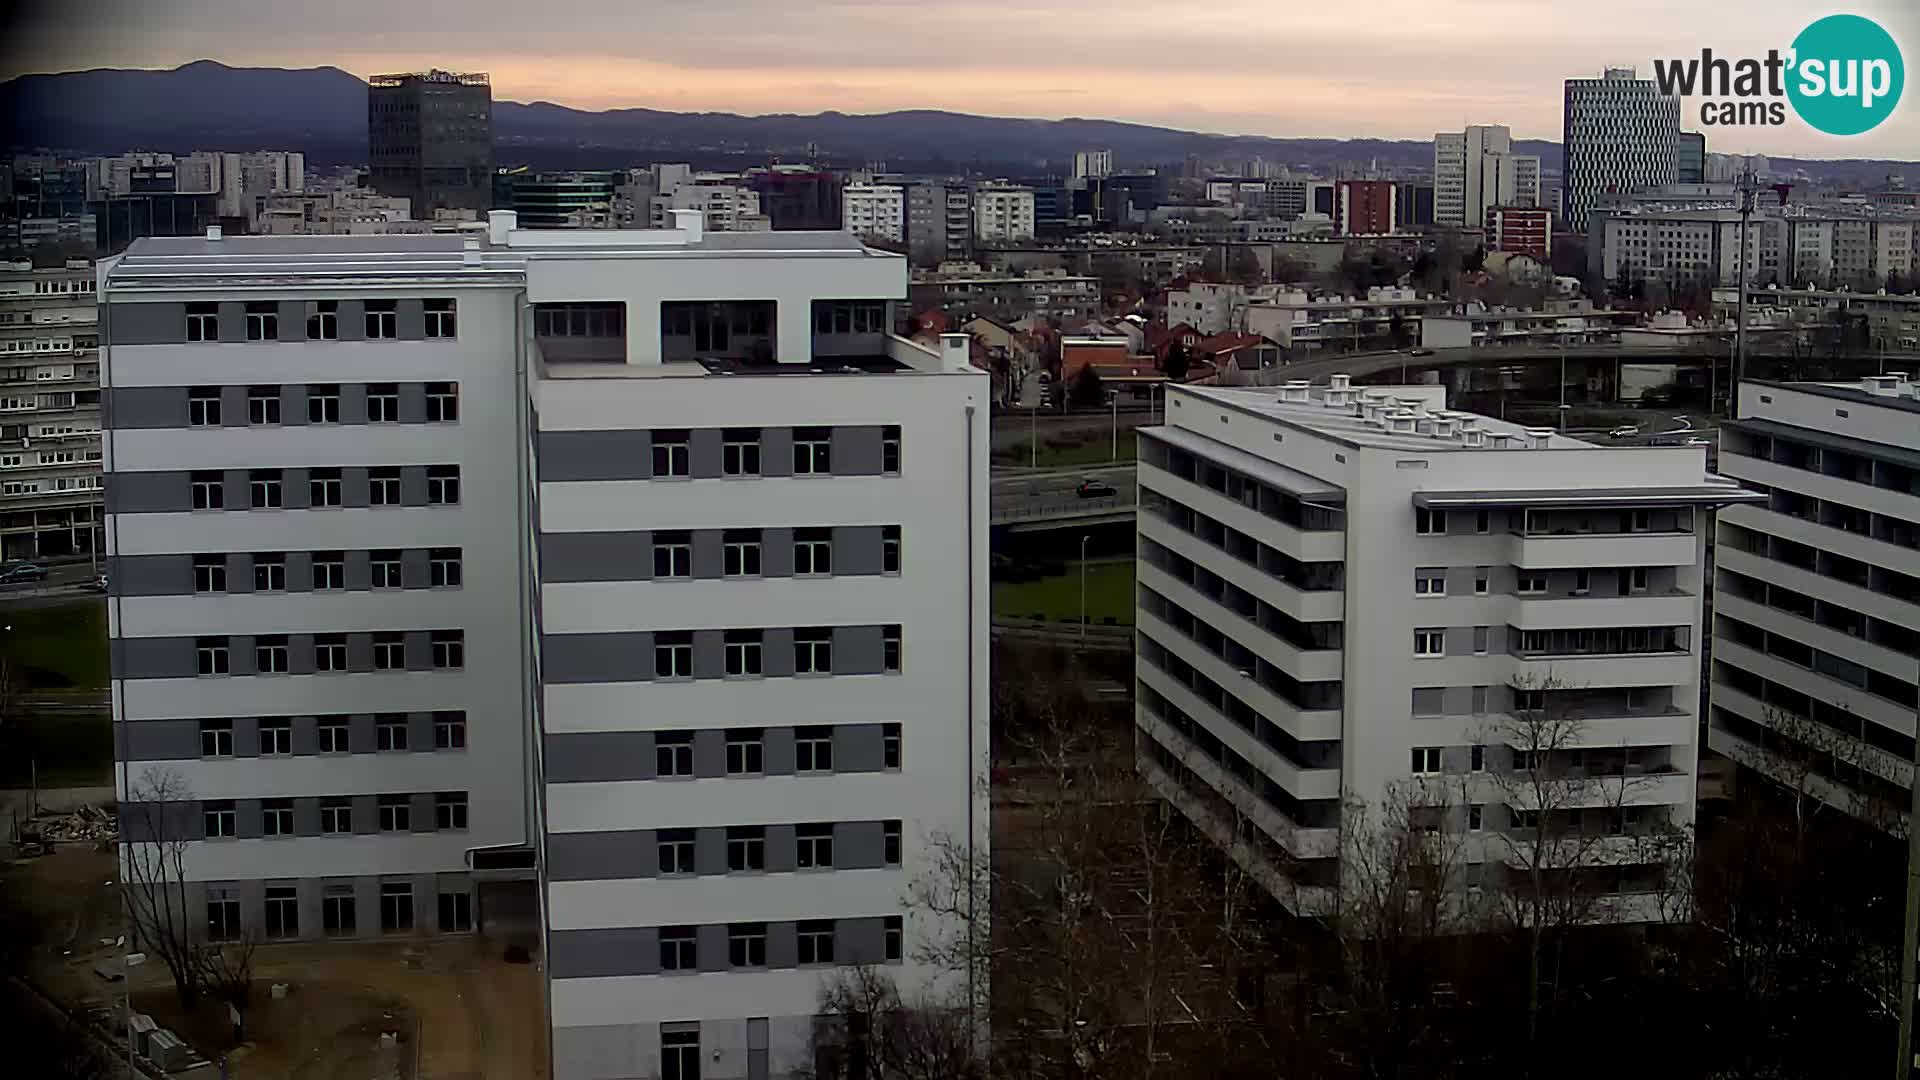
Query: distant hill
x=210, y=106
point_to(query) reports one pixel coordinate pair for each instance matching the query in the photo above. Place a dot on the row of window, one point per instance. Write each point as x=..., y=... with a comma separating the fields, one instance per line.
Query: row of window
x=747, y=848
x=1432, y=581
x=1427, y=522
x=673, y=751
x=445, y=570
x=745, y=652
x=326, y=487
x=220, y=818
x=741, y=449
x=741, y=552
x=333, y=734
x=272, y=654
x=380, y=320
x=338, y=911
x=264, y=404
x=747, y=950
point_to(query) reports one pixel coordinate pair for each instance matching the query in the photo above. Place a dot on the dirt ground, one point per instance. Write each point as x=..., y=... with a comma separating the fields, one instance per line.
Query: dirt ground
x=460, y=1011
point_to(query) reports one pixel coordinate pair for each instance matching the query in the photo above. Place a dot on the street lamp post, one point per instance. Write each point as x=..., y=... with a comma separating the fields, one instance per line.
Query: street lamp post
x=1113, y=399
x=1083, y=590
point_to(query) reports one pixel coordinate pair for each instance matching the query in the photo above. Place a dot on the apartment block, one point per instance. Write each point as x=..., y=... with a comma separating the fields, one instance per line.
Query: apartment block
x=49, y=411
x=875, y=210
x=1350, y=591
x=682, y=555
x=1816, y=600
x=1002, y=214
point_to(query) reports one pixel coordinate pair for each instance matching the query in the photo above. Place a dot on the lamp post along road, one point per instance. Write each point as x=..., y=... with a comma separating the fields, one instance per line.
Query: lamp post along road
x=1083, y=589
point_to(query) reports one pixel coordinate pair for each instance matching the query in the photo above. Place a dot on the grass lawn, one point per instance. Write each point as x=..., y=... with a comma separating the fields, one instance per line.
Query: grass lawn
x=1109, y=594
x=1096, y=452
x=57, y=648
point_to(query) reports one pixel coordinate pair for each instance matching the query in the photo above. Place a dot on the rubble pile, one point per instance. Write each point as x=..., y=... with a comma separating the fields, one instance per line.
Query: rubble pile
x=88, y=823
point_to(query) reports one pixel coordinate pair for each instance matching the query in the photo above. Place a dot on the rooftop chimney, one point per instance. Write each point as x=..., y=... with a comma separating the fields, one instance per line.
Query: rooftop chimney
x=499, y=224
x=691, y=222
x=213, y=232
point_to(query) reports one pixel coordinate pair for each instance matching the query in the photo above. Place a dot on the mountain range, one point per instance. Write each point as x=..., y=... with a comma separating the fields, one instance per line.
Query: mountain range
x=322, y=111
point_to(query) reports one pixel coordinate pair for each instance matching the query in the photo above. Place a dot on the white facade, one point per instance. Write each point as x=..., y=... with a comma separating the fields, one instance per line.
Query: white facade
x=1476, y=169
x=729, y=206
x=1817, y=590
x=49, y=411
x=1092, y=164
x=1342, y=588
x=874, y=210
x=1620, y=134
x=1002, y=215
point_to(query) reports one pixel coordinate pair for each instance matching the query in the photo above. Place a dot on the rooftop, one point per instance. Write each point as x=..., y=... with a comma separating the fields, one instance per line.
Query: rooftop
x=1862, y=392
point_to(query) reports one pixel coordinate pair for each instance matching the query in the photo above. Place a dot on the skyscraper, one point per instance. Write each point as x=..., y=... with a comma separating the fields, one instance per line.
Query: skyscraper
x=1621, y=134
x=1477, y=168
x=1691, y=165
x=430, y=138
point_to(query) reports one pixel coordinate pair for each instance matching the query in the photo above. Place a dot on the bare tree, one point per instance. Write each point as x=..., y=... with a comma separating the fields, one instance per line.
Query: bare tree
x=865, y=1030
x=154, y=822
x=226, y=975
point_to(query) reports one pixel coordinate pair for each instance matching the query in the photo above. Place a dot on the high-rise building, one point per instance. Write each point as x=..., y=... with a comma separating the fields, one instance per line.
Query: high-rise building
x=875, y=210
x=1817, y=591
x=1365, y=208
x=1621, y=134
x=1690, y=167
x=430, y=139
x=1002, y=214
x=1092, y=163
x=49, y=411
x=939, y=223
x=1351, y=592
x=418, y=525
x=1476, y=169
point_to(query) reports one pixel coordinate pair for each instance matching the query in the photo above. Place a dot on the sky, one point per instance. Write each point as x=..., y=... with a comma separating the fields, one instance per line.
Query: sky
x=1375, y=68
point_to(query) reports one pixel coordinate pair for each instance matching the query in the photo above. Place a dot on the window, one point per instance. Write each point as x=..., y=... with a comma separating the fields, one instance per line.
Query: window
x=1429, y=583
x=1482, y=578
x=324, y=487
x=440, y=318
x=443, y=403
x=673, y=554
x=276, y=735
x=443, y=568
x=890, y=843
x=1527, y=760
x=203, y=406
x=1482, y=522
x=383, y=319
x=1636, y=579
x=1582, y=582
x=269, y=572
x=1529, y=700
x=890, y=549
x=813, y=749
x=323, y=320
x=740, y=552
x=396, y=905
x=389, y=651
x=1480, y=636
x=450, y=810
x=740, y=452
x=816, y=941
x=209, y=573
x=263, y=405
x=890, y=746
x=673, y=754
x=1639, y=520
x=1479, y=759
x=890, y=450
x=890, y=649
x=813, y=651
x=1426, y=760
x=203, y=322
x=746, y=848
x=743, y=652
x=263, y=489
x=383, y=486
x=812, y=551
x=679, y=1053
x=276, y=817
x=1531, y=584
x=443, y=485
x=396, y=813
x=336, y=910
x=1429, y=642
x=219, y=818
x=323, y=403
x=449, y=649
x=746, y=752
x=216, y=738
x=383, y=403
x=383, y=568
x=1475, y=816
x=208, y=491
x=675, y=848
x=210, y=656
x=329, y=570
x=747, y=945
x=673, y=654
x=456, y=912
x=223, y=915
x=814, y=847
x=449, y=731
x=1429, y=522
x=812, y=451
x=895, y=934
x=671, y=454
x=333, y=734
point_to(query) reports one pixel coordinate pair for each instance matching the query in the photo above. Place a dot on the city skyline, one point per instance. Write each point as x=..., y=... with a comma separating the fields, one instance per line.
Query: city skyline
x=1422, y=68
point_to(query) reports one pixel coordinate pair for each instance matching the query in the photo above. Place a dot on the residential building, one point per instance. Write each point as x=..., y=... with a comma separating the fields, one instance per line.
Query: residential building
x=1351, y=593
x=1413, y=203
x=1092, y=163
x=939, y=223
x=1522, y=229
x=1690, y=167
x=727, y=204
x=799, y=197
x=1476, y=169
x=1212, y=307
x=336, y=213
x=1620, y=134
x=964, y=290
x=1817, y=591
x=1365, y=208
x=878, y=210
x=1002, y=214
x=49, y=411
x=629, y=510
x=1300, y=319
x=1891, y=318
x=430, y=139
x=1820, y=246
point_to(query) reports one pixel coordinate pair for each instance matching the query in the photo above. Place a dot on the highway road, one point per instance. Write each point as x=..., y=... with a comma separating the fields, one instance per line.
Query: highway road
x=65, y=582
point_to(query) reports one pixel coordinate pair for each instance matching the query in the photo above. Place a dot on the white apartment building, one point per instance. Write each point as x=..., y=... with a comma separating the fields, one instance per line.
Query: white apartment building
x=1476, y=169
x=1817, y=590
x=1297, y=318
x=1346, y=589
x=1802, y=246
x=728, y=205
x=1002, y=214
x=49, y=411
x=1620, y=134
x=875, y=210
x=683, y=555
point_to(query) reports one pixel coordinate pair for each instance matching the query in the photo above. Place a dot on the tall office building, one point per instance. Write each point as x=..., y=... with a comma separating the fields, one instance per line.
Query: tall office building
x=1620, y=134
x=1476, y=169
x=1817, y=591
x=1092, y=164
x=1346, y=590
x=1690, y=166
x=570, y=200
x=430, y=139
x=49, y=411
x=664, y=522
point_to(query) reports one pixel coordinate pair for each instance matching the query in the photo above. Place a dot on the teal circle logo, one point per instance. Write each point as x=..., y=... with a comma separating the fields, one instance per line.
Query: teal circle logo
x=1846, y=76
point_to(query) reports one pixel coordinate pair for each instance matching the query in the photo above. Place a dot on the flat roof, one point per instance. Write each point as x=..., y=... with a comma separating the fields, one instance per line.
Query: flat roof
x=1845, y=392
x=1341, y=425
x=1292, y=481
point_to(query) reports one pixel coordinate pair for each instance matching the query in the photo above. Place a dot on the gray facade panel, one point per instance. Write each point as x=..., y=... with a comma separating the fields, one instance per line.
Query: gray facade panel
x=859, y=845
x=294, y=491
x=410, y=323
x=778, y=752
x=233, y=406
x=293, y=320
x=776, y=451
x=413, y=402
x=586, y=757
x=413, y=485
x=233, y=321
x=358, y=572
x=160, y=740
x=596, y=556
x=859, y=941
x=595, y=455
x=361, y=733
x=246, y=736
x=857, y=650
x=856, y=549
x=239, y=572
x=306, y=819
x=145, y=324
x=589, y=954
x=419, y=650
x=423, y=809
x=246, y=816
x=151, y=575
x=783, y=945
x=180, y=819
x=299, y=571
x=703, y=453
x=300, y=654
x=355, y=491
x=709, y=554
x=293, y=404
x=782, y=857
x=360, y=659
x=709, y=654
x=600, y=856
x=710, y=851
x=414, y=572
x=709, y=753
x=420, y=731
x=597, y=658
x=149, y=493
x=366, y=815
x=130, y=407
x=776, y=552
x=353, y=403
x=856, y=451
x=857, y=748
x=352, y=315
x=306, y=729
x=776, y=657
x=154, y=658
x=711, y=946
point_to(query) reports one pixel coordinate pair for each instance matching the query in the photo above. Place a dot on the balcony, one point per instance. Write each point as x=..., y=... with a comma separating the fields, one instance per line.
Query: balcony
x=1635, y=609
x=1306, y=665
x=1306, y=725
x=1303, y=842
x=1319, y=545
x=1552, y=551
x=1306, y=605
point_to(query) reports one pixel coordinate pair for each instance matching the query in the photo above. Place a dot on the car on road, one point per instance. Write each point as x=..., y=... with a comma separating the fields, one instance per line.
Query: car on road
x=1095, y=489
x=22, y=571
x=1420, y=352
x=1624, y=431
x=99, y=583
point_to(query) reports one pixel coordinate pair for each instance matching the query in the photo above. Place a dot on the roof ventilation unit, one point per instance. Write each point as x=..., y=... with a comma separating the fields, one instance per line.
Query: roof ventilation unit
x=1539, y=437
x=1473, y=437
x=1400, y=423
x=1443, y=427
x=1499, y=439
x=1340, y=380
x=1294, y=392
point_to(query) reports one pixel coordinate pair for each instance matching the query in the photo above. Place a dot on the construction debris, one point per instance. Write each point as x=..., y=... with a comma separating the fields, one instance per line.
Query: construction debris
x=88, y=823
